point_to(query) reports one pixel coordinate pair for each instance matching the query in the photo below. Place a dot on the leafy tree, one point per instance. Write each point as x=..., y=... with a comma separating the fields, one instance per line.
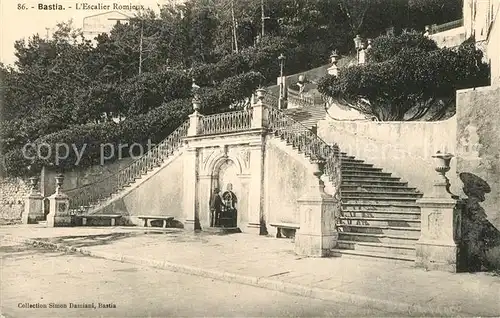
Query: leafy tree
x=414, y=82
x=426, y=12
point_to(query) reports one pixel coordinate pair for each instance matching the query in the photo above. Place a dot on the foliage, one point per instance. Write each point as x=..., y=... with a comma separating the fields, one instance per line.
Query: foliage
x=386, y=47
x=412, y=84
x=427, y=12
x=64, y=89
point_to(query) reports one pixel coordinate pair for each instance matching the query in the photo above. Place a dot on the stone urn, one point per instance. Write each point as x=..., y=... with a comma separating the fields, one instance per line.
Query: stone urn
x=260, y=94
x=196, y=104
x=59, y=182
x=442, y=162
x=34, y=184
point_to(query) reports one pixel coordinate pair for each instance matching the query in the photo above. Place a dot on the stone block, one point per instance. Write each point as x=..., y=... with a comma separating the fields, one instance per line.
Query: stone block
x=437, y=247
x=33, y=209
x=440, y=256
x=314, y=245
x=59, y=215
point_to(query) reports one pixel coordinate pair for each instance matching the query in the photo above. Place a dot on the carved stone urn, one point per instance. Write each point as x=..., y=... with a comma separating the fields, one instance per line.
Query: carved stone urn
x=442, y=161
x=34, y=184
x=442, y=166
x=260, y=94
x=59, y=182
x=196, y=103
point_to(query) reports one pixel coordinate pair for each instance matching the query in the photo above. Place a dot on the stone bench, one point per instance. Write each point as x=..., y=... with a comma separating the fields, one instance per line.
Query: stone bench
x=112, y=217
x=291, y=228
x=147, y=218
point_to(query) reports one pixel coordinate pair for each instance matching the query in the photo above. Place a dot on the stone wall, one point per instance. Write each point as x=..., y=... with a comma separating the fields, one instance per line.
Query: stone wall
x=287, y=178
x=449, y=38
x=157, y=194
x=80, y=176
x=402, y=148
x=12, y=192
x=478, y=142
x=493, y=52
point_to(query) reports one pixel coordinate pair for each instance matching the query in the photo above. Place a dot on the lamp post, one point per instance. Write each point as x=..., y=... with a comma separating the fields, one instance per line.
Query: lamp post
x=358, y=44
x=281, y=59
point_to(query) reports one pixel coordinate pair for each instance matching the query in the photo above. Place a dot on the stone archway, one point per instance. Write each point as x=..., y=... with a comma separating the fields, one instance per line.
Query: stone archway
x=228, y=172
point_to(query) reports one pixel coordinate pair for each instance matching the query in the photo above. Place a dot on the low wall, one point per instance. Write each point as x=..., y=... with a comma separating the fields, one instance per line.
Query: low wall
x=287, y=178
x=478, y=112
x=160, y=194
x=449, y=38
x=12, y=193
x=80, y=176
x=402, y=148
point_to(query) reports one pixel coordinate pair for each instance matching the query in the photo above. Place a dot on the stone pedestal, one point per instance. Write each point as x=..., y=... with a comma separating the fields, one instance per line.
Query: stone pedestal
x=260, y=112
x=195, y=124
x=59, y=210
x=317, y=234
x=33, y=208
x=437, y=247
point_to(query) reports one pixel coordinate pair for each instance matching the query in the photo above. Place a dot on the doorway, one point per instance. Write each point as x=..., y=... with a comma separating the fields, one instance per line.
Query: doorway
x=227, y=181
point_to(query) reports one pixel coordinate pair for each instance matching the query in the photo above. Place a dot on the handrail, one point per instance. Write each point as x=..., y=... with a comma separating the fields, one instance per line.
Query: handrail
x=446, y=26
x=306, y=141
x=226, y=122
x=87, y=195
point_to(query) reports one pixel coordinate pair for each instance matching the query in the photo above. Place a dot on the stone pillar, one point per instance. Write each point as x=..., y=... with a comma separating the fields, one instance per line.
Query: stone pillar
x=256, y=189
x=191, y=220
x=205, y=192
x=317, y=234
x=260, y=116
x=195, y=119
x=437, y=247
x=33, y=204
x=59, y=215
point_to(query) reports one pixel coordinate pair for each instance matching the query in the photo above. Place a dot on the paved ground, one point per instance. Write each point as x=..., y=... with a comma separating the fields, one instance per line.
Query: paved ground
x=38, y=276
x=443, y=294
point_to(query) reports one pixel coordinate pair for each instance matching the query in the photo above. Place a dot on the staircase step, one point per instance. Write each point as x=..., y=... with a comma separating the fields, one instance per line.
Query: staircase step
x=389, y=206
x=359, y=169
x=377, y=238
x=367, y=178
x=356, y=173
x=392, y=181
x=390, y=249
x=385, y=213
x=348, y=164
x=377, y=200
x=408, y=232
x=380, y=194
x=377, y=188
x=353, y=161
x=380, y=221
x=353, y=253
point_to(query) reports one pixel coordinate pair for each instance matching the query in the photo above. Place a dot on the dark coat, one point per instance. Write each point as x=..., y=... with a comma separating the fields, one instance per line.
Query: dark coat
x=216, y=203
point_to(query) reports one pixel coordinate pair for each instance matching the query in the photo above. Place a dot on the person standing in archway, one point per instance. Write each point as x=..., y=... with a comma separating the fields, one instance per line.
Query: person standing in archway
x=215, y=208
x=230, y=201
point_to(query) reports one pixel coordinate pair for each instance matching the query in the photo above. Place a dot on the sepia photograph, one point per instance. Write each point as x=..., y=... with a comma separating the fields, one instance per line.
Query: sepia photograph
x=249, y=158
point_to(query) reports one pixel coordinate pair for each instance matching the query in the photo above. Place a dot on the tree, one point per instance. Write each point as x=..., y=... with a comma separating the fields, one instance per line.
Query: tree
x=426, y=12
x=413, y=82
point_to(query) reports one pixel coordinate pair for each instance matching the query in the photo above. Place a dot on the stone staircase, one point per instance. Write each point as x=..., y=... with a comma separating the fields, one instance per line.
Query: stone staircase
x=380, y=218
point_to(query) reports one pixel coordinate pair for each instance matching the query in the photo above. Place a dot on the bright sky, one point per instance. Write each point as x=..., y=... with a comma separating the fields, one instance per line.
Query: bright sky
x=16, y=23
